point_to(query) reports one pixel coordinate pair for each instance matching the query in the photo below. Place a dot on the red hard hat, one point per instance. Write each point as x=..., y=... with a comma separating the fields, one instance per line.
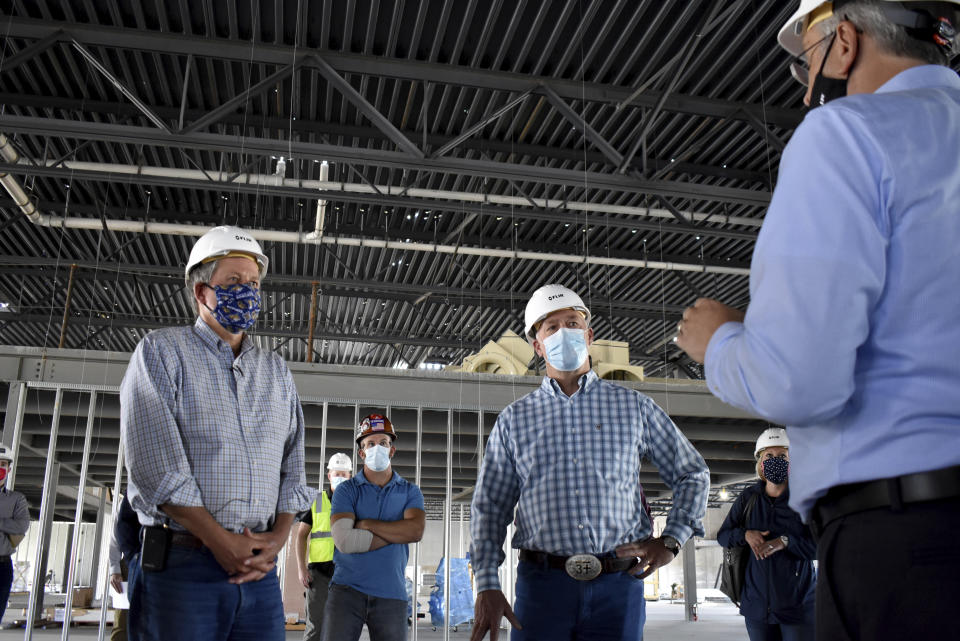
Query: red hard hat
x=375, y=424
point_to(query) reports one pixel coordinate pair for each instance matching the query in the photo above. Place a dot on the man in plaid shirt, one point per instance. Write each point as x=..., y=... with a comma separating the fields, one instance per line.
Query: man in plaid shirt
x=567, y=457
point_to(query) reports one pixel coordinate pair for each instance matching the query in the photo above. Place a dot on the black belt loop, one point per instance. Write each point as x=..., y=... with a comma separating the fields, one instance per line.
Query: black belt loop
x=896, y=496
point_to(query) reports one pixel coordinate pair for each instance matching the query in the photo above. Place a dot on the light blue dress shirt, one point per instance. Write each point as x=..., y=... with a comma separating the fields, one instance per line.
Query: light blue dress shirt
x=852, y=336
x=571, y=465
x=201, y=428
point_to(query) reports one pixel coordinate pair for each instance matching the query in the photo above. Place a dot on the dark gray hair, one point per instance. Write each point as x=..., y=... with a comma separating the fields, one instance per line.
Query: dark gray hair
x=202, y=273
x=890, y=37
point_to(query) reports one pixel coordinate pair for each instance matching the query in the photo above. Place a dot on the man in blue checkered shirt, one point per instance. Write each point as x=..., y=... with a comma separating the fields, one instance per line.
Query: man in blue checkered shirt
x=212, y=433
x=567, y=457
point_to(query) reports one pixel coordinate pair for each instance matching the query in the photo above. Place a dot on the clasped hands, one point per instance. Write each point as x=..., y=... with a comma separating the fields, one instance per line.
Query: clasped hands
x=762, y=548
x=249, y=556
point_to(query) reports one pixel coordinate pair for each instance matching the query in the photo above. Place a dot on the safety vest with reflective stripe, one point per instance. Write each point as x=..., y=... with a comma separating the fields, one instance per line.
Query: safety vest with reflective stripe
x=321, y=541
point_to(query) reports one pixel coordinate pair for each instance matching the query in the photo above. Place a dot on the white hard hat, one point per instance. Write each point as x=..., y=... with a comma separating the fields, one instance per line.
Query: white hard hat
x=791, y=33
x=547, y=300
x=340, y=462
x=222, y=241
x=6, y=453
x=771, y=437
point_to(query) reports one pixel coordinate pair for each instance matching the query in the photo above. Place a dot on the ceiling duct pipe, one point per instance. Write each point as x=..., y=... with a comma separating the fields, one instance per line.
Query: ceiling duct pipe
x=213, y=177
x=132, y=226
x=321, y=204
x=12, y=185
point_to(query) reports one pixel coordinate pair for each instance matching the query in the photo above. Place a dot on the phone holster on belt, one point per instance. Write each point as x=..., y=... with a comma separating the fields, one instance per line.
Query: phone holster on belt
x=155, y=548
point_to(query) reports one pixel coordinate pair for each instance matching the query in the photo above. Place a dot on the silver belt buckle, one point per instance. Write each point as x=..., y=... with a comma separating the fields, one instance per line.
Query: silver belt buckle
x=583, y=567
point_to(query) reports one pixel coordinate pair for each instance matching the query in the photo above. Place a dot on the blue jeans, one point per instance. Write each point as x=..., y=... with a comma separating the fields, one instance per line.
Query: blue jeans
x=192, y=600
x=552, y=606
x=761, y=631
x=348, y=609
x=6, y=580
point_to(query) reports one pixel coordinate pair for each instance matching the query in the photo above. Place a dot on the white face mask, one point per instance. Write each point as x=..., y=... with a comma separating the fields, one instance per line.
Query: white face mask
x=378, y=458
x=335, y=481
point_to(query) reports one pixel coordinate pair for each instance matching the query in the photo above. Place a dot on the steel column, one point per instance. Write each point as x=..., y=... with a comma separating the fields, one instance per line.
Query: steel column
x=460, y=553
x=448, y=508
x=356, y=424
x=690, y=579
x=46, y=510
x=117, y=475
x=17, y=432
x=323, y=442
x=78, y=517
x=98, y=529
x=416, y=546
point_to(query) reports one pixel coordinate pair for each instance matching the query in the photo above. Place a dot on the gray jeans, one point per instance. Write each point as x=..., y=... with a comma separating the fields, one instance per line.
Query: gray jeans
x=348, y=609
x=316, y=604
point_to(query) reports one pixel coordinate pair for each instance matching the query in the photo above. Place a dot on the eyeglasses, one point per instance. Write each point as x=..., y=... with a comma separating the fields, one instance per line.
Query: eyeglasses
x=800, y=67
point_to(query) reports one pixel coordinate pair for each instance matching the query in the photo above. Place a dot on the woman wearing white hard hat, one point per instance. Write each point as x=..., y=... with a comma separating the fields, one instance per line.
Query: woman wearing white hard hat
x=777, y=601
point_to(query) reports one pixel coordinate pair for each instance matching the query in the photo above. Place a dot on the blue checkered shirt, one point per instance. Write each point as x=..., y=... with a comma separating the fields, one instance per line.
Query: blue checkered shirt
x=571, y=466
x=201, y=428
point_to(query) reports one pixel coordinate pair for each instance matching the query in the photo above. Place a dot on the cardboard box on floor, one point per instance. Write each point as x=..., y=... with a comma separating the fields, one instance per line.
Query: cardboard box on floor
x=82, y=597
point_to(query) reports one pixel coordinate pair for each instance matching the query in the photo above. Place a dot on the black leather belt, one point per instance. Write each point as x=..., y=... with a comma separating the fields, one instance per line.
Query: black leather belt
x=893, y=493
x=608, y=564
x=185, y=540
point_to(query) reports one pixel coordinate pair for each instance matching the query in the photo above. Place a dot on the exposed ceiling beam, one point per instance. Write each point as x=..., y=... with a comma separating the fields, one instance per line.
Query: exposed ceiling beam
x=119, y=322
x=434, y=141
x=344, y=63
x=46, y=127
x=108, y=271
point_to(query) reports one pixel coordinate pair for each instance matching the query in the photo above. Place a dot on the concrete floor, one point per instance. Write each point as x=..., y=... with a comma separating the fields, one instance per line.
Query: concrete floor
x=718, y=622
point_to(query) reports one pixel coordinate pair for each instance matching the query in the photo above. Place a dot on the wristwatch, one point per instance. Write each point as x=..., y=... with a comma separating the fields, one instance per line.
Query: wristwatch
x=785, y=540
x=671, y=544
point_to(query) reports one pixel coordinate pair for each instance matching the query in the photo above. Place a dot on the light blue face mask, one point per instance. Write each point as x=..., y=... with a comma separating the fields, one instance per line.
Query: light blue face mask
x=566, y=349
x=335, y=481
x=378, y=458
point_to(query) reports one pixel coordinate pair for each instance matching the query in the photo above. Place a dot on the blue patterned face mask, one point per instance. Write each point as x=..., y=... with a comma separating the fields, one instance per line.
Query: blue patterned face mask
x=566, y=349
x=378, y=458
x=237, y=306
x=775, y=470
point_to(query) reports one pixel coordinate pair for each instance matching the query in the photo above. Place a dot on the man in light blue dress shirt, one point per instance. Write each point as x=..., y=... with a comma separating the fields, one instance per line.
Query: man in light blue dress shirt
x=852, y=336
x=212, y=433
x=567, y=457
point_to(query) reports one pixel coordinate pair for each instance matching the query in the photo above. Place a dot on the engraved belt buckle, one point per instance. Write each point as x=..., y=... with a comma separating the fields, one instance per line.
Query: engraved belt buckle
x=583, y=567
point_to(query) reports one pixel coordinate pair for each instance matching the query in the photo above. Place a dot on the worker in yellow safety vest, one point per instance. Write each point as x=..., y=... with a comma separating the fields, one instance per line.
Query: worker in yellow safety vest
x=315, y=546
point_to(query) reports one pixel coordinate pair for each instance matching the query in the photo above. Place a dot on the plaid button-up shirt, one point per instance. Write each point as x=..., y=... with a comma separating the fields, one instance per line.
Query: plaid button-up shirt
x=201, y=428
x=571, y=466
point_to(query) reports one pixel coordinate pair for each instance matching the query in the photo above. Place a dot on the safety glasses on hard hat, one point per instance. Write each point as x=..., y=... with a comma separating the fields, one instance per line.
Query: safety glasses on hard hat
x=800, y=66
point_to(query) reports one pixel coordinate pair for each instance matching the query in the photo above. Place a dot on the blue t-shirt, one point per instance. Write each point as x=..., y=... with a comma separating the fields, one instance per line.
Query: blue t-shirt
x=378, y=573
